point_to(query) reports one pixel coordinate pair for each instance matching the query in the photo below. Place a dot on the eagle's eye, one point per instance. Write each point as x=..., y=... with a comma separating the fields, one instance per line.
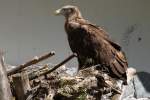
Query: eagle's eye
x=70, y=10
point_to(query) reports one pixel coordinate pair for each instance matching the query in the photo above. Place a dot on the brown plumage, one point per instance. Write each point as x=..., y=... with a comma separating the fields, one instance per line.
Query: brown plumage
x=92, y=44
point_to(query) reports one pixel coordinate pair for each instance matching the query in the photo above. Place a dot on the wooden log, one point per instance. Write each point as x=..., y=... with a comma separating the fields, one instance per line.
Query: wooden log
x=54, y=68
x=5, y=91
x=31, y=62
x=21, y=85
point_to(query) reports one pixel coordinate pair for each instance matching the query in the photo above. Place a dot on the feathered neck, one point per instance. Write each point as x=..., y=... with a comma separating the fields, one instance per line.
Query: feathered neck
x=74, y=16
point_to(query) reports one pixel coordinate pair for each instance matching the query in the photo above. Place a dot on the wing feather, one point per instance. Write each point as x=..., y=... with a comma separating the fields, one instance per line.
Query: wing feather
x=100, y=47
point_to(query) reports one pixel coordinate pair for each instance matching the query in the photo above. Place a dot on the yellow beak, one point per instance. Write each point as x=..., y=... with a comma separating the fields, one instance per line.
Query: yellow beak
x=57, y=12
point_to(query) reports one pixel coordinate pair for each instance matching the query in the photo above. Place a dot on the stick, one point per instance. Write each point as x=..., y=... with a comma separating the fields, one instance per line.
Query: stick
x=5, y=91
x=54, y=68
x=31, y=62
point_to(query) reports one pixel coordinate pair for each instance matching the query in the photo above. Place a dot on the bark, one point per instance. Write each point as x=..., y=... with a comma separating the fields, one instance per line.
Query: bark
x=21, y=85
x=5, y=91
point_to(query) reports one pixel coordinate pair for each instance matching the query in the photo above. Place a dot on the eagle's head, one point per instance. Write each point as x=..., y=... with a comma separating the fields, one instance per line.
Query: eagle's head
x=69, y=12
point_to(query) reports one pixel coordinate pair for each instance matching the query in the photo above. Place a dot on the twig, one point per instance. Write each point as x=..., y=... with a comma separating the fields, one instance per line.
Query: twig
x=32, y=92
x=31, y=62
x=114, y=89
x=55, y=67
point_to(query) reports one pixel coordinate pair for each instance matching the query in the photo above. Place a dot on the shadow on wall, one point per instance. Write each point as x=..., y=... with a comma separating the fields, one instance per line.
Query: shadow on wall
x=145, y=80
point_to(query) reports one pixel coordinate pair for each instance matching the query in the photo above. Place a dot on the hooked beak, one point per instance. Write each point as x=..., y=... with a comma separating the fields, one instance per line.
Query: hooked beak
x=57, y=12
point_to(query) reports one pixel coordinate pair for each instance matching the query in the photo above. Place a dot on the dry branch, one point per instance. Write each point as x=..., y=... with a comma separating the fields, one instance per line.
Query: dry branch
x=31, y=62
x=54, y=68
x=5, y=91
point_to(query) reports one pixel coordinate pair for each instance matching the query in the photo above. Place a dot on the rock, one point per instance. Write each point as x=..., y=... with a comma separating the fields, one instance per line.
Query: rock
x=138, y=88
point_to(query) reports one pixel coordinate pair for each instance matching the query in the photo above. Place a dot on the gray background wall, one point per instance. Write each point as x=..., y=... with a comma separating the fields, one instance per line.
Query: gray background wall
x=28, y=28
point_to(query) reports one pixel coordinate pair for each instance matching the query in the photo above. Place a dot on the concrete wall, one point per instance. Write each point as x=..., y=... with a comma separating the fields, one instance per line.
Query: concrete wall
x=28, y=28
